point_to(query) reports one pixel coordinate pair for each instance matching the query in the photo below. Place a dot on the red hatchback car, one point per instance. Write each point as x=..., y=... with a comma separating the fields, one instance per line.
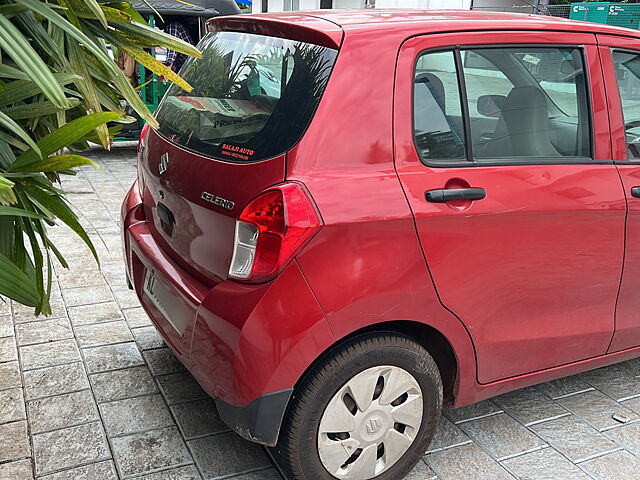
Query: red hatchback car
x=355, y=217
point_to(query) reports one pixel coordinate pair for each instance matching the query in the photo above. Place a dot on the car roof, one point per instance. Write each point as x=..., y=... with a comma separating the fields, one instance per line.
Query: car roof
x=414, y=22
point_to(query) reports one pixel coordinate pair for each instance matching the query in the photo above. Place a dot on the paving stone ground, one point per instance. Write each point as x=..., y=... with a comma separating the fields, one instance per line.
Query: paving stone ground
x=93, y=393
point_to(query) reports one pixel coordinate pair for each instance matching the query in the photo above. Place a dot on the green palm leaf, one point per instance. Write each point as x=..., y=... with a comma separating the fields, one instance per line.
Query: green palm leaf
x=15, y=284
x=17, y=46
x=66, y=135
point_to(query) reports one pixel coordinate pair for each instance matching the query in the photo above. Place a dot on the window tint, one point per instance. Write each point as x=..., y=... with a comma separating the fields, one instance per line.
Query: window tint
x=253, y=96
x=524, y=102
x=437, y=113
x=528, y=103
x=627, y=66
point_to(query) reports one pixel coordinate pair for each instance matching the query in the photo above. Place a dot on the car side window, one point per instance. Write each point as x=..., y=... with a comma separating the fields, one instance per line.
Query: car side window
x=518, y=103
x=527, y=103
x=437, y=113
x=627, y=67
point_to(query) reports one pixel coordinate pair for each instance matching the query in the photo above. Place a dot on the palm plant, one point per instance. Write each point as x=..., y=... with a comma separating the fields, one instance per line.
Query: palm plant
x=59, y=87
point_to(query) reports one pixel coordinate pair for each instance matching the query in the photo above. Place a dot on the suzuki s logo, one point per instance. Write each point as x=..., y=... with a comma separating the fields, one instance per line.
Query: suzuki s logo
x=219, y=201
x=373, y=425
x=164, y=163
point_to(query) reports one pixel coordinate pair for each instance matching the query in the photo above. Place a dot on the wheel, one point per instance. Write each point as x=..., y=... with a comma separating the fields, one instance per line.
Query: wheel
x=367, y=410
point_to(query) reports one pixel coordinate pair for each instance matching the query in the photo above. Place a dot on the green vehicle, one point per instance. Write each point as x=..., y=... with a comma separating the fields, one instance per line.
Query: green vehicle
x=192, y=14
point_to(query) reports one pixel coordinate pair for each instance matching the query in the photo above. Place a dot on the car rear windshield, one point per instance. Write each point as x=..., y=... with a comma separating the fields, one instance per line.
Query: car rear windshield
x=253, y=96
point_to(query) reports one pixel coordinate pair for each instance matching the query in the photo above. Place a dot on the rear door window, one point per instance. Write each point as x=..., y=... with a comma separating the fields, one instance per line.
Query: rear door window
x=518, y=103
x=627, y=66
x=437, y=112
x=253, y=96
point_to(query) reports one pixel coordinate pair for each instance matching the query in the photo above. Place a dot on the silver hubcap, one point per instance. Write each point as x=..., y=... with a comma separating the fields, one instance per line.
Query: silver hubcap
x=370, y=423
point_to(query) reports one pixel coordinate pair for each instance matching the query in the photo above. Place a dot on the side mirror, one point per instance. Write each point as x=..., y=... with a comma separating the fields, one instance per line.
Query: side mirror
x=490, y=105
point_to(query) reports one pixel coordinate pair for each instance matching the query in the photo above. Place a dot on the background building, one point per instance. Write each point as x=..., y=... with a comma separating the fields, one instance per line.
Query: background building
x=493, y=5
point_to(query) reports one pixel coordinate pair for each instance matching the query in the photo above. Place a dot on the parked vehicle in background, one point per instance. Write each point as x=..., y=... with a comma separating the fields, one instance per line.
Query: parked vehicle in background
x=432, y=207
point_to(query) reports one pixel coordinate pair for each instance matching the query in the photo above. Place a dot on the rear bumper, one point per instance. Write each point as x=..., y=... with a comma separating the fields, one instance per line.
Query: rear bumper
x=247, y=345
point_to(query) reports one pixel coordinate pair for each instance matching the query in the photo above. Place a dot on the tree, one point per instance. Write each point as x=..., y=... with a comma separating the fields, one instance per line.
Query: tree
x=59, y=87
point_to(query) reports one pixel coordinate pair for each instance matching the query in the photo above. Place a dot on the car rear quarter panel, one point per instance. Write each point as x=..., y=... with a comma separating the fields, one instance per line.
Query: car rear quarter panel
x=366, y=266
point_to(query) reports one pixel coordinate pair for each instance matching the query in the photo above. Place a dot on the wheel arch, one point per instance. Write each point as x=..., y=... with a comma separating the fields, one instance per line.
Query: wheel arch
x=430, y=338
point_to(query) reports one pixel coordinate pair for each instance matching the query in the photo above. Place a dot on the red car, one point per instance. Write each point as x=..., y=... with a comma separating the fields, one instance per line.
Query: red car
x=355, y=217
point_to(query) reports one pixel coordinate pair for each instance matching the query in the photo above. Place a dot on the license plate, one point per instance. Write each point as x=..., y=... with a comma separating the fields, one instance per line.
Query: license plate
x=156, y=292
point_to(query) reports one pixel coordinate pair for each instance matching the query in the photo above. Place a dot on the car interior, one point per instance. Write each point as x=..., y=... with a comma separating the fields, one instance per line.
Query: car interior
x=524, y=122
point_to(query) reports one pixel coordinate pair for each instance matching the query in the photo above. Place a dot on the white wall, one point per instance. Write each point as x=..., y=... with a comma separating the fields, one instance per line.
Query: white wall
x=431, y=4
x=278, y=5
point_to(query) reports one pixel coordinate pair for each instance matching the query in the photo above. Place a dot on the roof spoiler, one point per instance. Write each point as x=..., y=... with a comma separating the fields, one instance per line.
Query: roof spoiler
x=305, y=29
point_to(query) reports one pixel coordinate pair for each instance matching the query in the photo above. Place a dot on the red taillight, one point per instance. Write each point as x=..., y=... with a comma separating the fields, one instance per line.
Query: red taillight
x=271, y=230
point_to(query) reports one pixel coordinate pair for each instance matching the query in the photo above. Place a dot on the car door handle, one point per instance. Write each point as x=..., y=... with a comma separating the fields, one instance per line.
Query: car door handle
x=444, y=195
x=635, y=192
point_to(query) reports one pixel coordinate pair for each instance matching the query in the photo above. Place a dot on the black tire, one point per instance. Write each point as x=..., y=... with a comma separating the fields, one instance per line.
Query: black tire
x=297, y=448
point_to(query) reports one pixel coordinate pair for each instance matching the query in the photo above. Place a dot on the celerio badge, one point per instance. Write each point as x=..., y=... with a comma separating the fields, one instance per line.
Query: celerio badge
x=219, y=201
x=164, y=163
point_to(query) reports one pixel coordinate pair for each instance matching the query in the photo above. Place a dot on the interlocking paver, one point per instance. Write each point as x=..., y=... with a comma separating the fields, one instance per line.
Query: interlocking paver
x=447, y=435
x=15, y=441
x=98, y=313
x=617, y=381
x=530, y=406
x=134, y=415
x=420, y=472
x=147, y=338
x=501, y=436
x=8, y=349
x=180, y=387
x=126, y=298
x=545, y=464
x=44, y=331
x=6, y=326
x=11, y=405
x=20, y=470
x=5, y=307
x=50, y=381
x=615, y=466
x=23, y=314
x=136, y=317
x=87, y=295
x=467, y=461
x=9, y=375
x=120, y=384
x=68, y=410
x=224, y=454
x=199, y=418
x=188, y=472
x=69, y=447
x=162, y=361
x=471, y=412
x=597, y=409
x=112, y=357
x=139, y=396
x=49, y=354
x=627, y=436
x=564, y=386
x=574, y=438
x=95, y=471
x=102, y=333
x=148, y=451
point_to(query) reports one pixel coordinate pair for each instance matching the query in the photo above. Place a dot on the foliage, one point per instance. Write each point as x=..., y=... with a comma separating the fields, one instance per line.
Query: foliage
x=59, y=87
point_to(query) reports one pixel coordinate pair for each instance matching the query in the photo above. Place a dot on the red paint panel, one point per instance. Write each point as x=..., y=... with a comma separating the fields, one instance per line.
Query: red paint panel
x=202, y=239
x=532, y=270
x=627, y=321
